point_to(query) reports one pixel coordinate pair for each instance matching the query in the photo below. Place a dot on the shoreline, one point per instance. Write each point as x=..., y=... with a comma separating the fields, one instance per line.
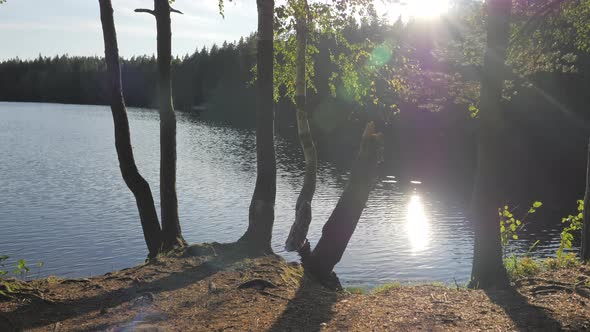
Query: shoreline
x=215, y=287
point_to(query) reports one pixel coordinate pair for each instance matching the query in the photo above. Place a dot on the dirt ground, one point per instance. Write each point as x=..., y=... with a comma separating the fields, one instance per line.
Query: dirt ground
x=216, y=288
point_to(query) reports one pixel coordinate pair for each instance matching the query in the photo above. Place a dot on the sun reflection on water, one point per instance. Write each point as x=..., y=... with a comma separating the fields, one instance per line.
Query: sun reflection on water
x=417, y=225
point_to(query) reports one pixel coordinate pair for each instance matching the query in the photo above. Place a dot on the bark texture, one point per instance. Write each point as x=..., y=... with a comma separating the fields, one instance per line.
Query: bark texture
x=261, y=212
x=136, y=183
x=488, y=269
x=342, y=222
x=171, y=232
x=298, y=234
x=585, y=252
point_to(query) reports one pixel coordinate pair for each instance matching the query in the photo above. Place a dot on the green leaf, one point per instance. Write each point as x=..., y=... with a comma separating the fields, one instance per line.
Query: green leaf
x=537, y=204
x=515, y=237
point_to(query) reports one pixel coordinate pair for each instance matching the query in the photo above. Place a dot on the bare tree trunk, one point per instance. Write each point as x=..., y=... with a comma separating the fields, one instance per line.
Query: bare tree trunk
x=342, y=222
x=298, y=234
x=261, y=212
x=488, y=269
x=585, y=252
x=171, y=231
x=136, y=183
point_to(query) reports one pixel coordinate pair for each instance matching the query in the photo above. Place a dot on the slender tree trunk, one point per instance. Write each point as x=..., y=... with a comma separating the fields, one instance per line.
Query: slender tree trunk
x=298, y=234
x=171, y=231
x=261, y=212
x=585, y=252
x=342, y=222
x=488, y=269
x=136, y=183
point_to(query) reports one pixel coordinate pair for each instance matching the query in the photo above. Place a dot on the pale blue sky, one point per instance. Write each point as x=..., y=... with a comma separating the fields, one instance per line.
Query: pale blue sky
x=55, y=27
x=50, y=27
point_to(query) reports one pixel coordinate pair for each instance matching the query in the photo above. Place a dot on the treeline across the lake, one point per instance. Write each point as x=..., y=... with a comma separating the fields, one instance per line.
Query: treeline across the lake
x=218, y=73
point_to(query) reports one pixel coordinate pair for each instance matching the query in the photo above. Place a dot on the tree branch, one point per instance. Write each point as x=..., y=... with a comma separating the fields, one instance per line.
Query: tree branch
x=143, y=10
x=172, y=10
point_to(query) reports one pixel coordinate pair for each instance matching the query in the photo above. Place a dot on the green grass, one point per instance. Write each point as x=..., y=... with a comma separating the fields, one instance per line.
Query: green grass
x=524, y=267
x=396, y=284
x=356, y=290
x=386, y=287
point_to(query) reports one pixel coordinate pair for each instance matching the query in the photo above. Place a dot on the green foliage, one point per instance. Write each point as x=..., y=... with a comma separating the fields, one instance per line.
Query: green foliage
x=473, y=111
x=573, y=225
x=220, y=5
x=365, y=68
x=522, y=267
x=356, y=290
x=511, y=225
x=21, y=270
x=3, y=272
x=566, y=260
x=386, y=287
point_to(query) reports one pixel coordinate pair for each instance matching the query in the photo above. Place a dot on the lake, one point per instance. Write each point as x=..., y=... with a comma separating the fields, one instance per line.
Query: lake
x=63, y=201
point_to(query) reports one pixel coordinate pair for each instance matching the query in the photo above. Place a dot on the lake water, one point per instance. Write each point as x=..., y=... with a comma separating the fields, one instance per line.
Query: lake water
x=63, y=201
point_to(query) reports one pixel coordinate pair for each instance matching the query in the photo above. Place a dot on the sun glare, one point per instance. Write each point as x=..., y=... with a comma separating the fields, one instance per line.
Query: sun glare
x=427, y=8
x=417, y=226
x=421, y=9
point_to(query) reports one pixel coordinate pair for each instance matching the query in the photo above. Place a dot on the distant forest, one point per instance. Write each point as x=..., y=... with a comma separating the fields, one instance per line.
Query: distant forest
x=548, y=105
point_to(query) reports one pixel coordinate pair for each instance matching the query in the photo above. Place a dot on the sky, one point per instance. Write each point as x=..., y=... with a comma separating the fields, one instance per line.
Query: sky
x=51, y=27
x=55, y=27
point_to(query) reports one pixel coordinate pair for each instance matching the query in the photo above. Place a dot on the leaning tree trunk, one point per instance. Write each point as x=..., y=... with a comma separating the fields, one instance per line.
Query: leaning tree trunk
x=261, y=212
x=585, y=252
x=298, y=234
x=171, y=233
x=342, y=222
x=488, y=269
x=136, y=183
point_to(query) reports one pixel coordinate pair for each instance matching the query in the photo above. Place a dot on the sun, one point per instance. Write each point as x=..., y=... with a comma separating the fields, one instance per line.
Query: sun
x=426, y=8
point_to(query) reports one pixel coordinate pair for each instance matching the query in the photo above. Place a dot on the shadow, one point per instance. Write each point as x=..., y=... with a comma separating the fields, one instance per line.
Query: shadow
x=42, y=314
x=526, y=316
x=311, y=306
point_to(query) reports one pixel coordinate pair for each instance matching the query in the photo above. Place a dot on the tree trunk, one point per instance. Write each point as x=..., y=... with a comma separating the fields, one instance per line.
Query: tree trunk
x=136, y=183
x=488, y=269
x=298, y=234
x=261, y=212
x=342, y=222
x=585, y=252
x=171, y=231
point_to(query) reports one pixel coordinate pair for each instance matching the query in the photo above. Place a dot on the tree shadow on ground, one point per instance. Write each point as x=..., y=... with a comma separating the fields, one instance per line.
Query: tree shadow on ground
x=311, y=306
x=34, y=315
x=526, y=316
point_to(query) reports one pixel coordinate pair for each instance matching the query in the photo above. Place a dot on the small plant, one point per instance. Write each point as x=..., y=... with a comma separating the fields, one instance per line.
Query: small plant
x=356, y=290
x=21, y=271
x=566, y=260
x=573, y=225
x=510, y=225
x=522, y=267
